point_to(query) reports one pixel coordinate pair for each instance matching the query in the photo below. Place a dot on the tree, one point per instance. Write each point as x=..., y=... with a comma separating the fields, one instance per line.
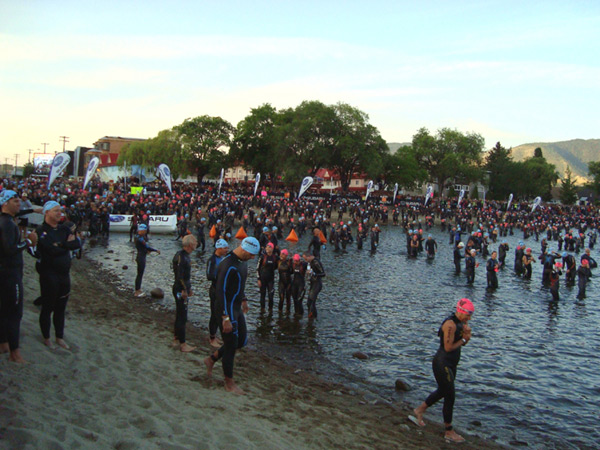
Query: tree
x=500, y=168
x=594, y=172
x=28, y=169
x=537, y=153
x=448, y=155
x=255, y=142
x=357, y=145
x=535, y=176
x=402, y=168
x=205, y=140
x=568, y=192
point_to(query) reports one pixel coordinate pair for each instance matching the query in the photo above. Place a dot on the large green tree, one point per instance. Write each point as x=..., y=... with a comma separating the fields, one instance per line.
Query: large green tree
x=255, y=142
x=401, y=167
x=500, y=170
x=568, y=191
x=594, y=172
x=448, y=155
x=205, y=141
x=535, y=176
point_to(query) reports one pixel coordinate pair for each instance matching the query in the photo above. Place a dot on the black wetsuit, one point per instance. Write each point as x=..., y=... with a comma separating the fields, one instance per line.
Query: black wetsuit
x=527, y=267
x=569, y=265
x=298, y=283
x=266, y=275
x=492, y=276
x=11, y=281
x=519, y=252
x=54, y=266
x=583, y=274
x=470, y=264
x=458, y=255
x=201, y=239
x=141, y=244
x=316, y=284
x=182, y=271
x=444, y=370
x=231, y=282
x=315, y=244
x=430, y=247
x=211, y=275
x=285, y=283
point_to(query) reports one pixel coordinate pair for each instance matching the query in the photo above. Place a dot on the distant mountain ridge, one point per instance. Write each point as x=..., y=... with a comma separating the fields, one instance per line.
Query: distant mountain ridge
x=575, y=154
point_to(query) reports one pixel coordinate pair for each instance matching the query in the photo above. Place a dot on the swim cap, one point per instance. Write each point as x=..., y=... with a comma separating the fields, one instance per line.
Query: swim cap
x=6, y=196
x=528, y=250
x=228, y=235
x=284, y=252
x=473, y=252
x=265, y=229
x=49, y=205
x=274, y=228
x=221, y=243
x=461, y=245
x=585, y=262
x=559, y=265
x=465, y=306
x=564, y=254
x=270, y=244
x=251, y=245
x=142, y=227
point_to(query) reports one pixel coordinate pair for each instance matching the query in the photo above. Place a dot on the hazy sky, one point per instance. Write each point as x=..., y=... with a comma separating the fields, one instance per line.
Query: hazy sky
x=513, y=71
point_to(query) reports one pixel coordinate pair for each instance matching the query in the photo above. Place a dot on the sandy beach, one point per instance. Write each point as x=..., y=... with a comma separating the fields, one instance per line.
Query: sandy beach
x=122, y=386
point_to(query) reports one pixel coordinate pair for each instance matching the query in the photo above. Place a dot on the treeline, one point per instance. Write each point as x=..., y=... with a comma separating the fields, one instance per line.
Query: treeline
x=291, y=143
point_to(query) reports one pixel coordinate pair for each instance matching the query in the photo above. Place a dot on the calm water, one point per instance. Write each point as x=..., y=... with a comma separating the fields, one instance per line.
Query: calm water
x=530, y=372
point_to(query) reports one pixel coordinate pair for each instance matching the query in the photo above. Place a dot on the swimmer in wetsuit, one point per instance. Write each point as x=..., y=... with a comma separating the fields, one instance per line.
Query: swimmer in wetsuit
x=221, y=249
x=142, y=247
x=231, y=305
x=266, y=276
x=454, y=333
x=182, y=290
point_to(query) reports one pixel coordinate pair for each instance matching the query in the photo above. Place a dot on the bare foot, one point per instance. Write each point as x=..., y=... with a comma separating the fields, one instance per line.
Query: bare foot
x=186, y=348
x=216, y=343
x=62, y=343
x=48, y=343
x=15, y=356
x=453, y=436
x=138, y=293
x=230, y=386
x=175, y=343
x=4, y=348
x=209, y=363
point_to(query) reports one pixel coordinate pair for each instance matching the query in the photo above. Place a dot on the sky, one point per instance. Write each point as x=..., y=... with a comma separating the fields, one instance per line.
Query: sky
x=513, y=71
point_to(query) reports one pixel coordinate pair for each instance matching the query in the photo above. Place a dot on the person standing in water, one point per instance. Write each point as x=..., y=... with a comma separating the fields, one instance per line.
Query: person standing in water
x=454, y=333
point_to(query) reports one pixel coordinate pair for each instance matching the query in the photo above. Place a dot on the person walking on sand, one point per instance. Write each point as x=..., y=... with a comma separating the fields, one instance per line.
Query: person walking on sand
x=231, y=304
x=142, y=247
x=55, y=245
x=221, y=249
x=11, y=275
x=182, y=289
x=454, y=333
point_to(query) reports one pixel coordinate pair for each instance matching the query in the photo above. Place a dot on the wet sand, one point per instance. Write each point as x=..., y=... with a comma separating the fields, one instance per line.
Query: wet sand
x=123, y=386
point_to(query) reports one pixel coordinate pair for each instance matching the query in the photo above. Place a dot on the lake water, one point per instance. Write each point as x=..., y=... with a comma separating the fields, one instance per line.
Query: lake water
x=531, y=372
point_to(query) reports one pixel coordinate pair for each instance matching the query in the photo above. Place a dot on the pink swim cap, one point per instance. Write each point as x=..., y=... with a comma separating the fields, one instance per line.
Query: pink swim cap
x=296, y=257
x=558, y=265
x=270, y=244
x=465, y=306
x=284, y=252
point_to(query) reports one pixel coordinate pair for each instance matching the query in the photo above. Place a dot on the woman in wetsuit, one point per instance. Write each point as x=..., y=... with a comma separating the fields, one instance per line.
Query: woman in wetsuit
x=454, y=333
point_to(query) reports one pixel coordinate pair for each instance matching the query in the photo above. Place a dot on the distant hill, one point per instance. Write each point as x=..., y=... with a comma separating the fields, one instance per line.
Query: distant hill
x=396, y=145
x=576, y=154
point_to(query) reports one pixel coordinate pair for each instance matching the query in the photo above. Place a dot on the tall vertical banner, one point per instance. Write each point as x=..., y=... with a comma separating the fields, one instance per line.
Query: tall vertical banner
x=91, y=169
x=536, y=203
x=306, y=183
x=165, y=174
x=221, y=180
x=510, y=197
x=257, y=180
x=428, y=195
x=369, y=188
x=59, y=164
x=484, y=198
x=395, y=192
x=460, y=197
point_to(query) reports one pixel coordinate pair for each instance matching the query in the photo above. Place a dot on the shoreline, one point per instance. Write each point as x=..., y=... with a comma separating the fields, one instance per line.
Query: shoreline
x=123, y=386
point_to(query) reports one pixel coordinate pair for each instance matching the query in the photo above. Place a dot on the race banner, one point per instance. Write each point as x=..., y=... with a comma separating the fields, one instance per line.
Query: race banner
x=428, y=195
x=136, y=190
x=158, y=224
x=306, y=183
x=59, y=164
x=510, y=198
x=395, y=192
x=257, y=180
x=165, y=174
x=460, y=197
x=221, y=179
x=536, y=203
x=369, y=188
x=91, y=169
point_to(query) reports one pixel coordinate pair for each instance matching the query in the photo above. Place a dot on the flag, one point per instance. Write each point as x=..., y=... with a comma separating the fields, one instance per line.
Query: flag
x=59, y=163
x=91, y=168
x=428, y=195
x=256, y=183
x=510, y=198
x=306, y=183
x=165, y=174
x=536, y=203
x=369, y=187
x=460, y=196
x=395, y=192
x=221, y=179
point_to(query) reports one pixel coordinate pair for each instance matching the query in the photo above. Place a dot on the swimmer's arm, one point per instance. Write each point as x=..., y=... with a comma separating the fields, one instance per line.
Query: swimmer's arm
x=449, y=328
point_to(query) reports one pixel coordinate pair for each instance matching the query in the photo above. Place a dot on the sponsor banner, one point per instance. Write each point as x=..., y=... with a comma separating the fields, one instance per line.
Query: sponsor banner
x=121, y=223
x=256, y=181
x=136, y=190
x=306, y=183
x=91, y=170
x=165, y=174
x=59, y=164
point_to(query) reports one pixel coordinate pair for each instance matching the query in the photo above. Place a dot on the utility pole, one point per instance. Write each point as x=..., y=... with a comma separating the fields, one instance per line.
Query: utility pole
x=30, y=150
x=16, y=159
x=64, y=140
x=45, y=144
x=5, y=167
